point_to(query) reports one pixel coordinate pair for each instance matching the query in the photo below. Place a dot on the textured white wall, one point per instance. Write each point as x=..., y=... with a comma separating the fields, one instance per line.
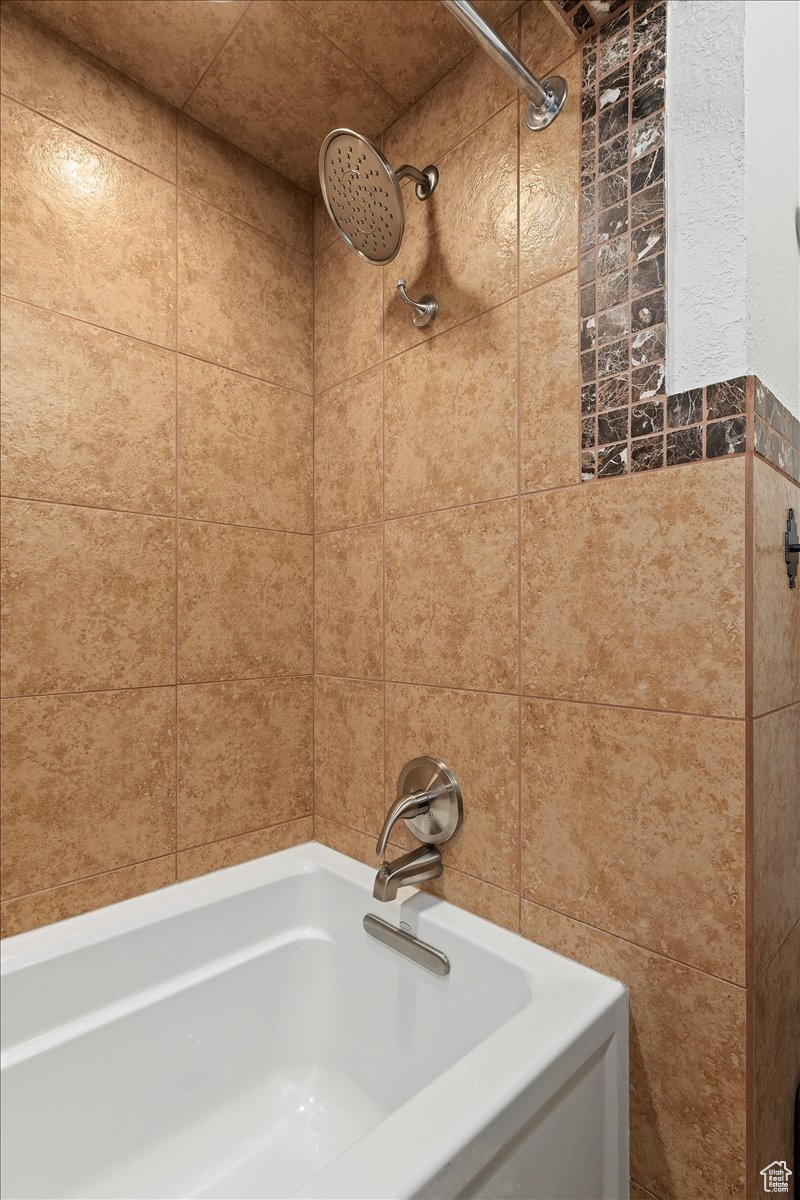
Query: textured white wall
x=772, y=145
x=733, y=185
x=707, y=227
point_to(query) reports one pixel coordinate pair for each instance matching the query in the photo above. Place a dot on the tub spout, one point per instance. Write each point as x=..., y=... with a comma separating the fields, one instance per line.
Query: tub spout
x=416, y=867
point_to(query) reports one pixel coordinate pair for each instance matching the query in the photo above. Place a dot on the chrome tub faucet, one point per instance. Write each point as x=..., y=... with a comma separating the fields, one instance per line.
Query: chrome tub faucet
x=429, y=801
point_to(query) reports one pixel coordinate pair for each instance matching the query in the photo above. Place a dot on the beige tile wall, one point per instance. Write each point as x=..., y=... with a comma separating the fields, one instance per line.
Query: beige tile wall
x=565, y=648
x=775, y=951
x=158, y=479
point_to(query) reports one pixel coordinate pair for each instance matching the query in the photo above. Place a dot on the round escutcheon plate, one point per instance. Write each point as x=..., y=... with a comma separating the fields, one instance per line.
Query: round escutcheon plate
x=431, y=775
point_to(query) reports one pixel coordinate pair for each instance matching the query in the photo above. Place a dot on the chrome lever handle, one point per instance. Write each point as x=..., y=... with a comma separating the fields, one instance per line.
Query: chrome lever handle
x=413, y=805
x=425, y=309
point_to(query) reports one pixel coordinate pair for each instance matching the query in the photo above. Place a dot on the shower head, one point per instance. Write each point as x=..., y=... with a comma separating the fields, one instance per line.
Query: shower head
x=362, y=194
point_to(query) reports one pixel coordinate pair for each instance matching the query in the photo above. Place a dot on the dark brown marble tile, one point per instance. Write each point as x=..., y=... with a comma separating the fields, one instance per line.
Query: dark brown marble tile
x=648, y=275
x=612, y=256
x=612, y=289
x=648, y=99
x=647, y=454
x=613, y=154
x=726, y=399
x=649, y=63
x=613, y=189
x=612, y=426
x=648, y=170
x=588, y=432
x=612, y=460
x=685, y=445
x=647, y=382
x=613, y=358
x=685, y=408
x=648, y=311
x=648, y=240
x=648, y=346
x=725, y=437
x=588, y=399
x=613, y=392
x=647, y=135
x=612, y=324
x=647, y=418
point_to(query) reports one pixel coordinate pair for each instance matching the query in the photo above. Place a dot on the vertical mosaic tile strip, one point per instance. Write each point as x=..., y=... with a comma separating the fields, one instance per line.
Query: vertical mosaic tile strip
x=776, y=431
x=623, y=235
x=585, y=16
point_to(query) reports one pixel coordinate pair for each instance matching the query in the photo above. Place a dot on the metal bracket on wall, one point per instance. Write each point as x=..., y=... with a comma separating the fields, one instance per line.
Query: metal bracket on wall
x=791, y=548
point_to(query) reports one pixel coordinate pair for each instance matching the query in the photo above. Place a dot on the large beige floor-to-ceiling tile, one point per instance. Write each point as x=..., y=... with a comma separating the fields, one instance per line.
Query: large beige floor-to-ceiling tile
x=245, y=299
x=451, y=598
x=408, y=47
x=348, y=452
x=86, y=233
x=245, y=449
x=451, y=417
x=634, y=821
x=467, y=96
x=89, y=599
x=633, y=590
x=282, y=114
x=62, y=82
x=776, y=607
x=244, y=603
x=549, y=384
x=461, y=244
x=89, y=784
x=687, y=1064
x=348, y=331
x=325, y=232
x=244, y=757
x=84, y=895
x=776, y=831
x=549, y=189
x=165, y=44
x=477, y=736
x=348, y=602
x=230, y=179
x=776, y=1048
x=545, y=40
x=216, y=856
x=348, y=752
x=88, y=416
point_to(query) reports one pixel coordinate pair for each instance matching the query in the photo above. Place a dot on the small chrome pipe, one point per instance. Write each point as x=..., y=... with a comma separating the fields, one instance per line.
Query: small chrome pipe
x=546, y=99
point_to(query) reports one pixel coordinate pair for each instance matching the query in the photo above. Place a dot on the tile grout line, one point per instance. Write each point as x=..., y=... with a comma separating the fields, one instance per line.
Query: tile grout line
x=518, y=397
x=215, y=57
x=66, y=316
x=638, y=945
x=177, y=510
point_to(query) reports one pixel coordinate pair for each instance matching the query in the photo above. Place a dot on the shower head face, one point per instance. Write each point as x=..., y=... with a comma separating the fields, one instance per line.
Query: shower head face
x=362, y=195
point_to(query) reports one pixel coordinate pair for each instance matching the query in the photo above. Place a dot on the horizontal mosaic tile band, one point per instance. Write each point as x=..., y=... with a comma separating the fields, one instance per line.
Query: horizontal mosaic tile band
x=704, y=423
x=622, y=243
x=776, y=431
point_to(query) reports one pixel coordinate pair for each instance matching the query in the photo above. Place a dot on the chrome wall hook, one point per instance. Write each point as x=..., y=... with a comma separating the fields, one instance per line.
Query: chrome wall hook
x=425, y=309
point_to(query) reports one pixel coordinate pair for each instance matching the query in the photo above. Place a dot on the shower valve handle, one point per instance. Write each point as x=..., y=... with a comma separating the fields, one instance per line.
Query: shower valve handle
x=425, y=309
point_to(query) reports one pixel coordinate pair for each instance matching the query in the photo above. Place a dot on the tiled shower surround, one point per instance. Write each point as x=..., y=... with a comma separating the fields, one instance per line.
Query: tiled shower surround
x=143, y=525
x=612, y=670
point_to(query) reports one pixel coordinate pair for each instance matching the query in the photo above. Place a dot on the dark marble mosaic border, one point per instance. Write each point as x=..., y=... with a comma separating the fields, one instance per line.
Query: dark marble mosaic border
x=586, y=16
x=776, y=431
x=622, y=242
x=704, y=423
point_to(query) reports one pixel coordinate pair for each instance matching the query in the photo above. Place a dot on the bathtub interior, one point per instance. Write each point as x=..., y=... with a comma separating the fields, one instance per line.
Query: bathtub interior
x=234, y=1048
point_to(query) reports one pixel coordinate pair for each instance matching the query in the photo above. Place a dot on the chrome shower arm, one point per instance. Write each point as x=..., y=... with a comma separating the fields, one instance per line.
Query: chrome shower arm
x=546, y=99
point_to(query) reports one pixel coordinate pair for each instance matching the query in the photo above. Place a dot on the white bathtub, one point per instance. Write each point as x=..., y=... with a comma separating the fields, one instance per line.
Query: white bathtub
x=240, y=1035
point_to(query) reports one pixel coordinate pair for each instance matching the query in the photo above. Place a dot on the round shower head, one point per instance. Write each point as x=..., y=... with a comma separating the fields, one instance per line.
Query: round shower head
x=362, y=194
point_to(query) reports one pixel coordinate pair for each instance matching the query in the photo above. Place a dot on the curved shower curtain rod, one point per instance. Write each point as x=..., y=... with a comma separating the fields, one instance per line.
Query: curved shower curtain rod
x=546, y=99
